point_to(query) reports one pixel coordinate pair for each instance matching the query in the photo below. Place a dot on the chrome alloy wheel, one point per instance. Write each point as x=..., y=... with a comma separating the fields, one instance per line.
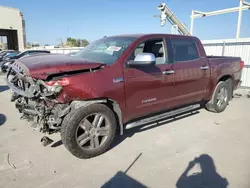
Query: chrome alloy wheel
x=222, y=97
x=92, y=131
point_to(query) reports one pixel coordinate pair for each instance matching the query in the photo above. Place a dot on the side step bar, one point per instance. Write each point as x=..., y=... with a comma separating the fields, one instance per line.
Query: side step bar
x=162, y=116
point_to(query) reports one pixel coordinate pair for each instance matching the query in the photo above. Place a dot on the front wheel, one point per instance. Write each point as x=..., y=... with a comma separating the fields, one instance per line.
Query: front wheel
x=89, y=131
x=220, y=98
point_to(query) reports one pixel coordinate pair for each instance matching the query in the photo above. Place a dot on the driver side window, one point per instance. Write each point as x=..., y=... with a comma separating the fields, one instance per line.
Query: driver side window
x=155, y=47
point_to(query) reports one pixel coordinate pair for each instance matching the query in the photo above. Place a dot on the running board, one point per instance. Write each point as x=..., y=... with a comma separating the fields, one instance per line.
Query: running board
x=162, y=116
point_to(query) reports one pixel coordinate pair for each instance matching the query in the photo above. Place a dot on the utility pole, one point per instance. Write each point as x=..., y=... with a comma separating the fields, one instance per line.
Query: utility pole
x=192, y=23
x=239, y=20
x=242, y=7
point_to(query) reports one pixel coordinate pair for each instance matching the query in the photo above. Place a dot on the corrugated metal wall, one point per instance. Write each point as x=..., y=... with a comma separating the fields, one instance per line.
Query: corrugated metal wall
x=232, y=47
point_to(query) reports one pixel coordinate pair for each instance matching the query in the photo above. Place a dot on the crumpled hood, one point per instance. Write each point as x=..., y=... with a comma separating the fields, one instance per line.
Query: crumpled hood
x=41, y=66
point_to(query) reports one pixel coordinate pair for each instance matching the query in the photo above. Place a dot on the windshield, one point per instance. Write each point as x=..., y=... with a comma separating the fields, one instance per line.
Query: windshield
x=106, y=50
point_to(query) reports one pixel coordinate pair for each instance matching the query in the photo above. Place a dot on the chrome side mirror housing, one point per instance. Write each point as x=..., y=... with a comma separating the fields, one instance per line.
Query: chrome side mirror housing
x=143, y=59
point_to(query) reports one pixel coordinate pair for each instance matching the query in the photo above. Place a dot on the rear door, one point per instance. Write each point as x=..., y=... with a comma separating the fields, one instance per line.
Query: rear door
x=191, y=71
x=148, y=88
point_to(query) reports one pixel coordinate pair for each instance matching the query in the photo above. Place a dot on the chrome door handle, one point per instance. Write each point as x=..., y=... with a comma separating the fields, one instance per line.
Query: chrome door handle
x=204, y=67
x=168, y=72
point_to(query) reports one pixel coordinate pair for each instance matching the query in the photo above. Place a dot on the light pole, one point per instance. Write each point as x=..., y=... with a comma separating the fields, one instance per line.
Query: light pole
x=198, y=14
x=239, y=20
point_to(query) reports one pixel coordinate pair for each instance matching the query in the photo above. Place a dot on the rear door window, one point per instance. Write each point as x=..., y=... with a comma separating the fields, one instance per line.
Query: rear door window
x=184, y=50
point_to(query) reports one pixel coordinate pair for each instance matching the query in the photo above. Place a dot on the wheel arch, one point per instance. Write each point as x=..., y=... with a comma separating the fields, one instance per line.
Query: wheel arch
x=224, y=78
x=111, y=104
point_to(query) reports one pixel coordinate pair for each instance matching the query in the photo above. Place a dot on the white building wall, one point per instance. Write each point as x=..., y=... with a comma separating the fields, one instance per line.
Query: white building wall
x=10, y=18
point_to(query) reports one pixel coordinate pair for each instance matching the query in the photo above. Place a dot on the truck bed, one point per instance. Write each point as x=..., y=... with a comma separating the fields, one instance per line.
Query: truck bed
x=224, y=64
x=223, y=58
x=219, y=60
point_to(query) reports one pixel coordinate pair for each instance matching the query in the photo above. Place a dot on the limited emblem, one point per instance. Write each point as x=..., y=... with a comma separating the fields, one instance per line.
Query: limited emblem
x=148, y=100
x=118, y=80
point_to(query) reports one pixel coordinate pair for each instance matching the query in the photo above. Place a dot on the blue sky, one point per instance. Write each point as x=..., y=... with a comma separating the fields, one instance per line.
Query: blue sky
x=48, y=21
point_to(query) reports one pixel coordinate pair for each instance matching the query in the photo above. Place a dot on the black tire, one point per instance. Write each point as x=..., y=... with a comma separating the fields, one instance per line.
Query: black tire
x=230, y=85
x=212, y=105
x=70, y=126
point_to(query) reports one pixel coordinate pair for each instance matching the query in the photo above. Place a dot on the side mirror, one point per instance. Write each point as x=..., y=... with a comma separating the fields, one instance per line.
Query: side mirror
x=143, y=59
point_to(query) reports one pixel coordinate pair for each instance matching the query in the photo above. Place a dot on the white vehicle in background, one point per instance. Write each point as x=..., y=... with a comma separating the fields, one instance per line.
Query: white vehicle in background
x=72, y=53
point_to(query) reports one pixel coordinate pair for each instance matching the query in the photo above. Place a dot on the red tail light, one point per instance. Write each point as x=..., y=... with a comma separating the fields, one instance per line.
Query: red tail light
x=61, y=82
x=241, y=64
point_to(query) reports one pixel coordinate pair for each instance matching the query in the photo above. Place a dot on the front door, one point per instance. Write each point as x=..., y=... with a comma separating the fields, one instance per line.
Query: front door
x=147, y=88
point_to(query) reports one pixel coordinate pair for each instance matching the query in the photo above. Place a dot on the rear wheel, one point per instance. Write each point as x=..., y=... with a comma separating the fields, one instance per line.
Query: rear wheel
x=89, y=131
x=220, y=98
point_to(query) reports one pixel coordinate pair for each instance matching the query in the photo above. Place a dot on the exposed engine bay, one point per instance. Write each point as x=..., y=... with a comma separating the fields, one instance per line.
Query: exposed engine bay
x=36, y=100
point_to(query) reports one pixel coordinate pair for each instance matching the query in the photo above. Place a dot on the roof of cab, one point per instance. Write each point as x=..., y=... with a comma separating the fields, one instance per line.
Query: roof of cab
x=149, y=35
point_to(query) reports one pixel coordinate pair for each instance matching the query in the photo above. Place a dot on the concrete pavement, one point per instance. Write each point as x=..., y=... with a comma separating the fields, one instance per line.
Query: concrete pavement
x=149, y=157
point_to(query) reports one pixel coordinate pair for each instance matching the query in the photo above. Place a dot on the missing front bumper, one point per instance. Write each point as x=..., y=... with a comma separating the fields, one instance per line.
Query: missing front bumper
x=37, y=101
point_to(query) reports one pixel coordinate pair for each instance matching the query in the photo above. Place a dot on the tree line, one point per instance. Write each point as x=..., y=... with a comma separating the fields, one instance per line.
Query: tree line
x=70, y=42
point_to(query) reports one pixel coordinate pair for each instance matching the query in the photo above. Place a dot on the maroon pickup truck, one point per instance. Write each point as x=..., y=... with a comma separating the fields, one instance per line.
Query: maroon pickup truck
x=118, y=83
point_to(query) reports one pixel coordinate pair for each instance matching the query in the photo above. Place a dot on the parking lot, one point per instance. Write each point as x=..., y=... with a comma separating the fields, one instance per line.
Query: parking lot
x=153, y=156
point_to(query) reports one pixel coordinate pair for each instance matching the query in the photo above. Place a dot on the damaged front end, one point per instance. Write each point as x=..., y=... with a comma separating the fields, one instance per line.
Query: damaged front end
x=36, y=100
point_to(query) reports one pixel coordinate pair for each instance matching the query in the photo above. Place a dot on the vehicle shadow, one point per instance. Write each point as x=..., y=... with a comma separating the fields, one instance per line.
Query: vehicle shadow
x=3, y=88
x=131, y=132
x=122, y=180
x=2, y=119
x=207, y=178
